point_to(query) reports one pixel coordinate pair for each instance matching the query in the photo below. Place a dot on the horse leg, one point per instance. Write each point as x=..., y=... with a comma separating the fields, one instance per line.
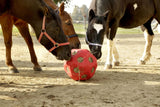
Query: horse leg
x=7, y=25
x=24, y=30
x=115, y=56
x=111, y=47
x=108, y=64
x=148, y=34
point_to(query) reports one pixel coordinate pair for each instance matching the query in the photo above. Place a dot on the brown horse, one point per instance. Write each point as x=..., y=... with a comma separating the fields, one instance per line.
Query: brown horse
x=7, y=21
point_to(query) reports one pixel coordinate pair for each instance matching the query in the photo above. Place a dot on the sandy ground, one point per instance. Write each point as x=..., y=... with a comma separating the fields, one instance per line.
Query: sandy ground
x=129, y=85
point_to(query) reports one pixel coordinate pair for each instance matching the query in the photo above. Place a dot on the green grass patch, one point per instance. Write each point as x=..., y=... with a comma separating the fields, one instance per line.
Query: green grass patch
x=80, y=29
x=1, y=32
x=15, y=31
x=81, y=35
x=129, y=31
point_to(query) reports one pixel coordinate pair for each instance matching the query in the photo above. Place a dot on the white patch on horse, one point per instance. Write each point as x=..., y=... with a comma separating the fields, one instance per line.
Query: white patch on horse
x=98, y=27
x=135, y=6
x=110, y=45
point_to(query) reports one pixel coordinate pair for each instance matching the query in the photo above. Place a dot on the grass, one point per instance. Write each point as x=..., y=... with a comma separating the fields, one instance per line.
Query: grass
x=80, y=30
x=15, y=31
x=129, y=31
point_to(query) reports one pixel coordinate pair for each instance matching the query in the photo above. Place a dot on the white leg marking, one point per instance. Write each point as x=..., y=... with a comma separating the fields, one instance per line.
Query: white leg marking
x=146, y=55
x=115, y=54
x=109, y=54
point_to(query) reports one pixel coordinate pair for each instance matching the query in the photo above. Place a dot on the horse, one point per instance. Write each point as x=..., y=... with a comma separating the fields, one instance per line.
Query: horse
x=45, y=22
x=67, y=26
x=105, y=16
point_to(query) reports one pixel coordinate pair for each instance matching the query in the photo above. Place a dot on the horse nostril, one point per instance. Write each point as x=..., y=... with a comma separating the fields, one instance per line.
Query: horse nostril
x=96, y=47
x=69, y=55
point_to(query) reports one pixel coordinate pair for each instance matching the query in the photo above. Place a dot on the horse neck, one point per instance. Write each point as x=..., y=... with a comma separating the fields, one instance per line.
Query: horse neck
x=51, y=4
x=30, y=11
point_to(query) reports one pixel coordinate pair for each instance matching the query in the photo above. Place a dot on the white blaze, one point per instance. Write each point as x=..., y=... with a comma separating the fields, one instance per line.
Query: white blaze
x=98, y=27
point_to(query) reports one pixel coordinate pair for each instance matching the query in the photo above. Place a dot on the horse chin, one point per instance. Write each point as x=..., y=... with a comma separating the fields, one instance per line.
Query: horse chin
x=76, y=46
x=63, y=58
x=64, y=54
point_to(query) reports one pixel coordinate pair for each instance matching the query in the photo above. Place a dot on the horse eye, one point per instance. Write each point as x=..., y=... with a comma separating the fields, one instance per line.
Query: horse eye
x=68, y=22
x=56, y=30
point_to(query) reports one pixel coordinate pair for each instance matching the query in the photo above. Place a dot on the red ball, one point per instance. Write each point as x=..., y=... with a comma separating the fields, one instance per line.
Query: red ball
x=82, y=65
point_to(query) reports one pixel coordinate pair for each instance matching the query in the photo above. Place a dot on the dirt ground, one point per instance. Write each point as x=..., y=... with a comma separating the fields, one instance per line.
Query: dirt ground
x=128, y=85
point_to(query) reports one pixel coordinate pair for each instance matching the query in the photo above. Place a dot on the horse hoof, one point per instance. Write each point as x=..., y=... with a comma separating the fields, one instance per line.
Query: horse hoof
x=108, y=66
x=37, y=68
x=13, y=70
x=142, y=62
x=116, y=63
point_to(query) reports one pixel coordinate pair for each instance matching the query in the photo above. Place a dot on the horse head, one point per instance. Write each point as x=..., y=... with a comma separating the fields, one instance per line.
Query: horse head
x=96, y=30
x=68, y=27
x=54, y=40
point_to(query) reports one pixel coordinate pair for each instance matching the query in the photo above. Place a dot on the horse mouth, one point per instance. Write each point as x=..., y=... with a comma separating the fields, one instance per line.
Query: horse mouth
x=63, y=58
x=66, y=56
x=97, y=54
x=77, y=46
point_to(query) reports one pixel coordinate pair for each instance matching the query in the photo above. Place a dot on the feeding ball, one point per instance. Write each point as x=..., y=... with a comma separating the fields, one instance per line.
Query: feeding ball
x=82, y=65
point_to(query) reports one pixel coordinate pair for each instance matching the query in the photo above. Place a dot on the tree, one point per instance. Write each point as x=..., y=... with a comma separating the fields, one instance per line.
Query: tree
x=77, y=14
x=80, y=13
x=84, y=11
x=59, y=1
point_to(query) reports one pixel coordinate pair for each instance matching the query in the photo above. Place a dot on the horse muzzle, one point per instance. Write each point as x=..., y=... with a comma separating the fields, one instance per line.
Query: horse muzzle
x=63, y=53
x=97, y=54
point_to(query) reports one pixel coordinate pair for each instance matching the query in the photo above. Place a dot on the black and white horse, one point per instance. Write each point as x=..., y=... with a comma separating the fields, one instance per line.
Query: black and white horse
x=105, y=16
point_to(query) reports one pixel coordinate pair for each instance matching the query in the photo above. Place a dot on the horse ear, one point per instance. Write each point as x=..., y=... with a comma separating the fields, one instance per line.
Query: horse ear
x=91, y=15
x=106, y=15
x=61, y=8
